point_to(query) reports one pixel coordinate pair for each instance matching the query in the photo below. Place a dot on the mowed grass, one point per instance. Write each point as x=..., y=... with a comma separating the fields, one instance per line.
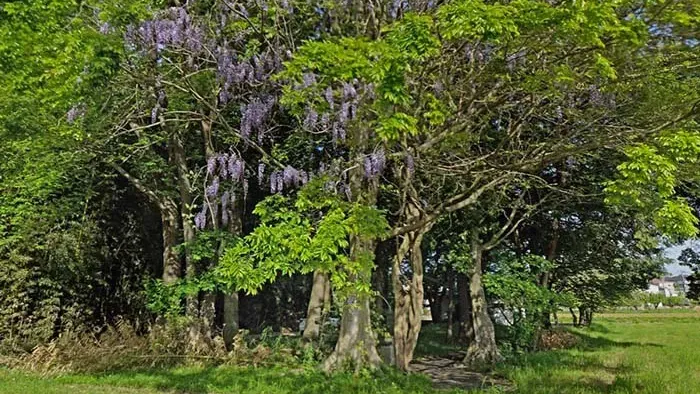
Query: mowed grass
x=631, y=352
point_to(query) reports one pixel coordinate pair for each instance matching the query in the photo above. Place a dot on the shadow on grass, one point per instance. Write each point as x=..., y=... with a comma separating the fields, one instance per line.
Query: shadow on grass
x=589, y=367
x=591, y=342
x=582, y=369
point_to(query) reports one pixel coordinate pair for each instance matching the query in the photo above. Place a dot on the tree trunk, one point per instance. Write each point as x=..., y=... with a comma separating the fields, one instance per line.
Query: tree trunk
x=179, y=160
x=408, y=300
x=449, y=293
x=382, y=281
x=551, y=256
x=172, y=268
x=356, y=341
x=466, y=325
x=574, y=319
x=585, y=316
x=483, y=350
x=230, y=318
x=320, y=290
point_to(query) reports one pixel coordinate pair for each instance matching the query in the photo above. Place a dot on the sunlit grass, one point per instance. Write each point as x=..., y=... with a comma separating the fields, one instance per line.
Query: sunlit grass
x=636, y=352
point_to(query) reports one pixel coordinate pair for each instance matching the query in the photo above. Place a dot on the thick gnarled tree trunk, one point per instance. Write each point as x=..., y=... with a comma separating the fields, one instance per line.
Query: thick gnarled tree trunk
x=408, y=301
x=482, y=351
x=357, y=345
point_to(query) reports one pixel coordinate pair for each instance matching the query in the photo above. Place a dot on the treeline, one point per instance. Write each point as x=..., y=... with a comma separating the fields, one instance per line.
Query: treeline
x=242, y=164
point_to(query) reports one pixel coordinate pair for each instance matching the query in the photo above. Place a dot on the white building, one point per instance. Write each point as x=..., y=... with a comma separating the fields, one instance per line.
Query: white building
x=662, y=286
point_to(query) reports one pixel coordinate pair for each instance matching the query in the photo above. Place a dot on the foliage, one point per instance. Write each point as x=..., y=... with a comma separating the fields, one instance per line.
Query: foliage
x=140, y=138
x=691, y=259
x=309, y=234
x=515, y=289
x=650, y=176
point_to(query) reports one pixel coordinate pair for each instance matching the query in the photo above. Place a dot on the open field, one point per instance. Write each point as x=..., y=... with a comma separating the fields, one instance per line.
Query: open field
x=640, y=352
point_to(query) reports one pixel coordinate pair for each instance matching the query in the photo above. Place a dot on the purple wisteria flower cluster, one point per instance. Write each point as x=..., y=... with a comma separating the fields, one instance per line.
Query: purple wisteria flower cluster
x=410, y=163
x=341, y=106
x=255, y=114
x=221, y=168
x=173, y=29
x=289, y=177
x=516, y=59
x=599, y=99
x=374, y=164
x=233, y=71
x=226, y=166
x=479, y=53
x=397, y=7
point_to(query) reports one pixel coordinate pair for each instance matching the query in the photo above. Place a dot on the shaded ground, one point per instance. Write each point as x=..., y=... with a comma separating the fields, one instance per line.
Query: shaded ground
x=448, y=372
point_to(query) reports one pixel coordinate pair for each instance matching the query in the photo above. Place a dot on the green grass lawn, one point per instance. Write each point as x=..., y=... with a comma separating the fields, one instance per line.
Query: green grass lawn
x=622, y=353
x=635, y=352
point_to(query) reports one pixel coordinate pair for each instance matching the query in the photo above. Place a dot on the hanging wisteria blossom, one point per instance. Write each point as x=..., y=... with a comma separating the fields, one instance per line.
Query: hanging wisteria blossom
x=211, y=165
x=309, y=79
x=223, y=165
x=273, y=182
x=255, y=114
x=200, y=219
x=311, y=119
x=172, y=29
x=374, y=164
x=213, y=189
x=328, y=94
x=236, y=168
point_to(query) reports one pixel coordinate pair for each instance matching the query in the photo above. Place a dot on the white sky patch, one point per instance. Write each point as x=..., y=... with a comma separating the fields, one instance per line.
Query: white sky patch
x=674, y=251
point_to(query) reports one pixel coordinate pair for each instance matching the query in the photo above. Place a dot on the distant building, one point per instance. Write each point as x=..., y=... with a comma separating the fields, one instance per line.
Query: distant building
x=669, y=286
x=660, y=286
x=680, y=283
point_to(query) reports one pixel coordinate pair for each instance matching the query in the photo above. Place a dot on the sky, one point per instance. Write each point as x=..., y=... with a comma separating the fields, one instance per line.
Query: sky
x=674, y=251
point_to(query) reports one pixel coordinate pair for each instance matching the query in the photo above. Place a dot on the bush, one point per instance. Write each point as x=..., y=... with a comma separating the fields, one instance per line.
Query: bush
x=522, y=301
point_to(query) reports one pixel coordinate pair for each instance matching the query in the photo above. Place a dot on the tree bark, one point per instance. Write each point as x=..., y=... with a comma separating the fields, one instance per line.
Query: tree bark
x=230, y=328
x=382, y=281
x=573, y=317
x=356, y=341
x=466, y=325
x=408, y=300
x=172, y=269
x=551, y=256
x=231, y=311
x=483, y=351
x=179, y=160
x=449, y=293
x=318, y=302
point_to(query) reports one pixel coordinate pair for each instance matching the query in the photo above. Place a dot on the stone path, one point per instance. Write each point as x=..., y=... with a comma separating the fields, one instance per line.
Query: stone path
x=449, y=373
